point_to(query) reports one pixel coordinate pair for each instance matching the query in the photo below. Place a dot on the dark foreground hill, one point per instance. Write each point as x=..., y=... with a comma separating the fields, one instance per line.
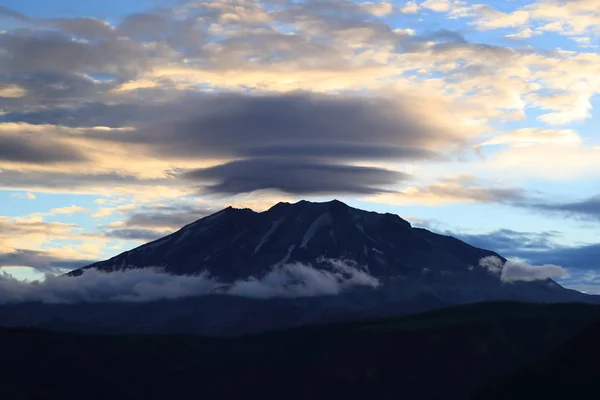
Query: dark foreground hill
x=568, y=372
x=454, y=353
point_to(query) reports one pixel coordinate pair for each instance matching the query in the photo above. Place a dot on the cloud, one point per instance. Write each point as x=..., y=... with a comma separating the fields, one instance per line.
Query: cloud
x=290, y=280
x=24, y=149
x=8, y=90
x=317, y=125
x=26, y=195
x=301, y=280
x=578, y=19
x=439, y=5
x=509, y=242
x=534, y=136
x=295, y=177
x=536, y=248
x=539, y=159
x=409, y=7
x=42, y=261
x=7, y=12
x=583, y=209
x=379, y=9
x=516, y=271
x=582, y=257
x=461, y=189
x=174, y=216
x=83, y=27
x=209, y=91
x=72, y=209
x=304, y=128
x=293, y=132
x=145, y=235
x=488, y=18
x=175, y=62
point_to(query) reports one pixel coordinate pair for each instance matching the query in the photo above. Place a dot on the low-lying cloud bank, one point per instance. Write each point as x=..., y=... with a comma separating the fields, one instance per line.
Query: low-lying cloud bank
x=148, y=284
x=515, y=271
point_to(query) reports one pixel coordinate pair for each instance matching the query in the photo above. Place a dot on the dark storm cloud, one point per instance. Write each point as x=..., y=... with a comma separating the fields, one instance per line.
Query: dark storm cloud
x=23, y=149
x=295, y=177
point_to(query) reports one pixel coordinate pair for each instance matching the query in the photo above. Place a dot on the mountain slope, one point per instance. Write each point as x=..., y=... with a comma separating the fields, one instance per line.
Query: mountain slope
x=235, y=244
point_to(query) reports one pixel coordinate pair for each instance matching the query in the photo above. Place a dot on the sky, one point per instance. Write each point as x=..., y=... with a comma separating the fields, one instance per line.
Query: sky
x=121, y=121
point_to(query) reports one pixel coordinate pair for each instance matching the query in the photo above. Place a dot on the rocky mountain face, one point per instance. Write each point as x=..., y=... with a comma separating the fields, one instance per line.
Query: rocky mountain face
x=236, y=244
x=255, y=263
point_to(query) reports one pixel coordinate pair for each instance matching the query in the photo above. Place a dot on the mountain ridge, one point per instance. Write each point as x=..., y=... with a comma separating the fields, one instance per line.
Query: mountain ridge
x=239, y=271
x=303, y=222
x=237, y=244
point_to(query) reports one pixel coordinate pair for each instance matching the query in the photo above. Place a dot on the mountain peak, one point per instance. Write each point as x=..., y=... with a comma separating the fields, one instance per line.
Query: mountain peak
x=239, y=243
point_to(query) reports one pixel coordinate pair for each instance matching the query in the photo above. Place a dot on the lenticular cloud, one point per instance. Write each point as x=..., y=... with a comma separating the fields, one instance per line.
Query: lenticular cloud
x=148, y=284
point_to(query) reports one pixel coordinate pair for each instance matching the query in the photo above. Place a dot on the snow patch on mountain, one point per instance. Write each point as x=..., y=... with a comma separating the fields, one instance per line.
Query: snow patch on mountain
x=323, y=220
x=286, y=258
x=266, y=236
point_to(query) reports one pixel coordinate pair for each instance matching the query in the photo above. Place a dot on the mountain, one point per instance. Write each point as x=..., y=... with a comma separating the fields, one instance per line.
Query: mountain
x=237, y=244
x=453, y=353
x=292, y=265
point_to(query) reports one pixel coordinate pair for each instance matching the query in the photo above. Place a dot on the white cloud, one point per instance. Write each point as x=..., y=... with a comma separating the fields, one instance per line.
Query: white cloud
x=289, y=280
x=11, y=91
x=459, y=189
x=438, y=5
x=26, y=195
x=488, y=18
x=410, y=7
x=72, y=209
x=536, y=136
x=526, y=33
x=379, y=9
x=518, y=271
